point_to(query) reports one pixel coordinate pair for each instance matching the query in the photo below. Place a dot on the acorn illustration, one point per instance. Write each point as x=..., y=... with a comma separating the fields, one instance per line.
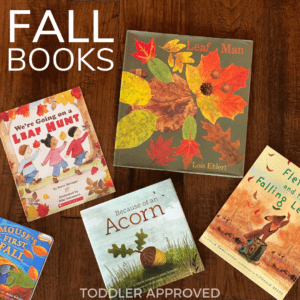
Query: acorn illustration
x=152, y=257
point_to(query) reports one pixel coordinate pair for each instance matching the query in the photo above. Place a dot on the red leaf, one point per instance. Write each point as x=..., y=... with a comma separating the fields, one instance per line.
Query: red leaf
x=11, y=164
x=97, y=145
x=160, y=151
x=76, y=92
x=94, y=170
x=257, y=211
x=270, y=170
x=144, y=51
x=42, y=109
x=103, y=161
x=250, y=178
x=271, y=154
x=188, y=149
x=24, y=111
x=289, y=162
x=43, y=210
x=107, y=180
x=36, y=144
x=4, y=116
x=248, y=203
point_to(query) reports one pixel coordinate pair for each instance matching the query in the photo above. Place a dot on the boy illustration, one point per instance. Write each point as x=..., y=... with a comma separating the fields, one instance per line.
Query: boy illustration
x=27, y=168
x=56, y=161
x=76, y=149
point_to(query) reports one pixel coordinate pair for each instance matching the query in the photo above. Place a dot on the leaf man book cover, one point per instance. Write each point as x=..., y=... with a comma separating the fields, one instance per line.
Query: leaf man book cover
x=184, y=104
x=54, y=154
x=23, y=253
x=258, y=229
x=142, y=240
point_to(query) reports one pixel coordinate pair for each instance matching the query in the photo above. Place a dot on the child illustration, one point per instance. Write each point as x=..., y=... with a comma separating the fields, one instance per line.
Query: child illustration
x=27, y=168
x=56, y=161
x=76, y=148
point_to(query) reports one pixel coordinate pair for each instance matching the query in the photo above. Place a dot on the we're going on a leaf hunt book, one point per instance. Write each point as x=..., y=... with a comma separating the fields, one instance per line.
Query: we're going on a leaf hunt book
x=184, y=104
x=142, y=240
x=54, y=154
x=23, y=253
x=258, y=229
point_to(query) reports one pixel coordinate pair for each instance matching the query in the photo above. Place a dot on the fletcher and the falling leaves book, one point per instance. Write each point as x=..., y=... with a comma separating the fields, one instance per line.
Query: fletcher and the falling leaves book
x=54, y=154
x=184, y=104
x=258, y=229
x=142, y=240
x=23, y=253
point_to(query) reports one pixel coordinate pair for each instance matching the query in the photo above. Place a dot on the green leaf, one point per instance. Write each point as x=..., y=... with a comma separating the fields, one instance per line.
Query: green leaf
x=134, y=129
x=134, y=90
x=140, y=241
x=189, y=129
x=160, y=70
x=116, y=251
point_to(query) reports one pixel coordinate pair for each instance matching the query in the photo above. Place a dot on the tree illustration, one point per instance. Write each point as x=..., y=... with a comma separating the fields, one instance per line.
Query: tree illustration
x=290, y=236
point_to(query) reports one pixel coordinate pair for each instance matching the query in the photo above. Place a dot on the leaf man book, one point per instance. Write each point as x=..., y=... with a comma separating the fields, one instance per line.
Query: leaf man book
x=23, y=253
x=54, y=154
x=258, y=229
x=142, y=240
x=184, y=104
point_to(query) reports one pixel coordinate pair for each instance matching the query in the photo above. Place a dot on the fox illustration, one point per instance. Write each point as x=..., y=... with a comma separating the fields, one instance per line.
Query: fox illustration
x=275, y=223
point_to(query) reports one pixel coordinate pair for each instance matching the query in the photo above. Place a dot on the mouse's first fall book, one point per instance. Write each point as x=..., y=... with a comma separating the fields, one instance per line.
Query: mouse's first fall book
x=258, y=229
x=54, y=154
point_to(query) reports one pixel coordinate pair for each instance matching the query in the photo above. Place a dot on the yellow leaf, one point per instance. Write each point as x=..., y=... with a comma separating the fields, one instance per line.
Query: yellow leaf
x=46, y=196
x=62, y=136
x=134, y=90
x=185, y=57
x=134, y=129
x=178, y=65
x=177, y=48
x=170, y=45
x=171, y=60
x=64, y=98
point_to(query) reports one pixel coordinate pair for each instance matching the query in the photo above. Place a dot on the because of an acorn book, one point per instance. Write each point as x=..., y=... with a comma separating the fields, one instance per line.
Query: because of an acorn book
x=142, y=240
x=23, y=253
x=54, y=154
x=184, y=104
x=258, y=229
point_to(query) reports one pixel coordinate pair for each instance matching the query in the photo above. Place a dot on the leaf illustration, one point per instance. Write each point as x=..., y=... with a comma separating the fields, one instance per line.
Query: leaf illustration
x=141, y=240
x=223, y=144
x=76, y=92
x=250, y=178
x=36, y=144
x=134, y=89
x=42, y=109
x=276, y=208
x=107, y=180
x=256, y=211
x=134, y=129
x=116, y=251
x=64, y=98
x=89, y=181
x=171, y=103
x=173, y=46
x=94, y=171
x=160, y=151
x=24, y=111
x=180, y=59
x=43, y=210
x=189, y=129
x=4, y=116
x=101, y=184
x=215, y=87
x=145, y=52
x=62, y=135
x=46, y=196
x=160, y=70
x=270, y=170
x=12, y=113
x=188, y=149
x=255, y=195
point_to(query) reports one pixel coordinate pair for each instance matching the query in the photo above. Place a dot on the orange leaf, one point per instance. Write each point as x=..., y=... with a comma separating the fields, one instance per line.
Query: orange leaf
x=33, y=273
x=27, y=253
x=41, y=109
x=24, y=111
x=12, y=114
x=188, y=149
x=223, y=144
x=43, y=210
x=36, y=144
x=248, y=203
x=160, y=151
x=144, y=51
x=39, y=250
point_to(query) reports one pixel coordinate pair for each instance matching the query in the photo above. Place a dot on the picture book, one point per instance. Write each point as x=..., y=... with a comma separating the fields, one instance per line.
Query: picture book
x=142, y=240
x=54, y=154
x=184, y=104
x=23, y=253
x=258, y=229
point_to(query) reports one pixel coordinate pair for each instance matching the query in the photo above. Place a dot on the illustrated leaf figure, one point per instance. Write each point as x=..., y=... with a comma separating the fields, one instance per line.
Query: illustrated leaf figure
x=189, y=129
x=39, y=250
x=188, y=149
x=103, y=162
x=42, y=109
x=145, y=52
x=4, y=116
x=46, y=196
x=171, y=103
x=160, y=70
x=76, y=92
x=43, y=210
x=116, y=251
x=134, y=90
x=36, y=144
x=182, y=58
x=62, y=135
x=141, y=240
x=12, y=113
x=215, y=87
x=33, y=273
x=27, y=253
x=89, y=181
x=64, y=98
x=134, y=129
x=160, y=151
x=97, y=145
x=94, y=170
x=107, y=180
x=11, y=165
x=49, y=100
x=223, y=144
x=24, y=111
x=173, y=46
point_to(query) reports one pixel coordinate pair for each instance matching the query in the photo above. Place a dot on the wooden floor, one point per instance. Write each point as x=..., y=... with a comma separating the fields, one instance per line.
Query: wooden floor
x=273, y=117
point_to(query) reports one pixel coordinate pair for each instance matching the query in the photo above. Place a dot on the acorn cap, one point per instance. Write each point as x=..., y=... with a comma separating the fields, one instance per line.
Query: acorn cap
x=148, y=257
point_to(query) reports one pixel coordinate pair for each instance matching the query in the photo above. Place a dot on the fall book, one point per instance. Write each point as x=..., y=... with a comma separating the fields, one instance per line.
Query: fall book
x=142, y=240
x=258, y=229
x=54, y=154
x=184, y=104
x=23, y=253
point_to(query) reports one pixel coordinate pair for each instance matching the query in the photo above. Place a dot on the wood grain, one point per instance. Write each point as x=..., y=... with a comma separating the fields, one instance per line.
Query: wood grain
x=273, y=117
